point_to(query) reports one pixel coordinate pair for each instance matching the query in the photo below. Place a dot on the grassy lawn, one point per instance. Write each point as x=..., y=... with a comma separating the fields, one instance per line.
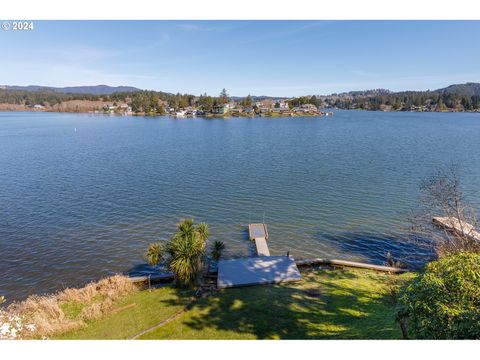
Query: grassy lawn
x=326, y=304
x=132, y=314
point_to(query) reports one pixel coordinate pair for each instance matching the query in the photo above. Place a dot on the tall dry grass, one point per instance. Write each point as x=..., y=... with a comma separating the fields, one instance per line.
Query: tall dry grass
x=96, y=299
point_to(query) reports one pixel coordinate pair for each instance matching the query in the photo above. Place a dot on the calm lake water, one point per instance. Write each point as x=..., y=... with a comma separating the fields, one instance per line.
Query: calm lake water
x=78, y=205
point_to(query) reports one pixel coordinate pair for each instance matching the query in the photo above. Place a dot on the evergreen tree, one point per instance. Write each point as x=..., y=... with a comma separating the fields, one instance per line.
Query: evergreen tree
x=224, y=96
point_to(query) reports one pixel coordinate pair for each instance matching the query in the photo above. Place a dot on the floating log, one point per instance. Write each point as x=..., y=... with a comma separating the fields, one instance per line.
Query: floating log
x=457, y=227
x=157, y=277
x=354, y=264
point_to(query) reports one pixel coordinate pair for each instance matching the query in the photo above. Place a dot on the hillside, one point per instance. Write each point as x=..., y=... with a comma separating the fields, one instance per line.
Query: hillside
x=93, y=90
x=467, y=89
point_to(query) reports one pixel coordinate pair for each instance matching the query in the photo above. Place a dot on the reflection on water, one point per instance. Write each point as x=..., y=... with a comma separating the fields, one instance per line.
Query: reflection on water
x=77, y=205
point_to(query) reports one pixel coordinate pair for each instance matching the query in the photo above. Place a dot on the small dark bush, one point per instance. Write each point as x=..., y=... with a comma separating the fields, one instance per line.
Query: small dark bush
x=443, y=302
x=217, y=250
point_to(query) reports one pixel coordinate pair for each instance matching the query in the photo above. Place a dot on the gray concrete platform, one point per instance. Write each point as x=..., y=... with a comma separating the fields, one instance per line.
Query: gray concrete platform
x=256, y=271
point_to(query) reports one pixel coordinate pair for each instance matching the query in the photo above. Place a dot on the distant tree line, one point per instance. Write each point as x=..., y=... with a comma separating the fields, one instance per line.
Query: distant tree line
x=157, y=101
x=23, y=97
x=303, y=100
x=408, y=100
x=140, y=101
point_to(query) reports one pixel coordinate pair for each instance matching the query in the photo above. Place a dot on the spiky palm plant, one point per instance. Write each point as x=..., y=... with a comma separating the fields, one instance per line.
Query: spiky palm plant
x=154, y=254
x=186, y=249
x=217, y=249
x=203, y=231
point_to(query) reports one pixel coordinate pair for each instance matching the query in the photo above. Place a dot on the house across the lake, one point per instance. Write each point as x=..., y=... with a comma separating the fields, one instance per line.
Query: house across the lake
x=219, y=109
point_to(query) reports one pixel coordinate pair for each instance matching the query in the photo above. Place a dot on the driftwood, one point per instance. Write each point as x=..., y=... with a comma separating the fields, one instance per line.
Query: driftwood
x=144, y=278
x=332, y=262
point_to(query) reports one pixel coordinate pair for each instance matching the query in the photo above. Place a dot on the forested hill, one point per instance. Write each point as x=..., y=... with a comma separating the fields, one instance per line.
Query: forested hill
x=458, y=97
x=91, y=90
x=468, y=89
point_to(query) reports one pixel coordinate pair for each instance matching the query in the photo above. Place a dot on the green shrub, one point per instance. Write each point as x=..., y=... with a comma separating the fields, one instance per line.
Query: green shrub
x=217, y=250
x=443, y=302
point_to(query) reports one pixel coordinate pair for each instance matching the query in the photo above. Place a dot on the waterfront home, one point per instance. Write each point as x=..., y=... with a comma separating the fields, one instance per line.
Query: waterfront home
x=281, y=111
x=220, y=109
x=180, y=113
x=299, y=110
x=264, y=109
x=249, y=110
x=281, y=105
x=309, y=108
x=190, y=111
x=237, y=110
x=109, y=108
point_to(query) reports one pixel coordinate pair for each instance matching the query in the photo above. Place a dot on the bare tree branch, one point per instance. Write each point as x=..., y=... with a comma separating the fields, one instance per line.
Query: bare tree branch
x=454, y=227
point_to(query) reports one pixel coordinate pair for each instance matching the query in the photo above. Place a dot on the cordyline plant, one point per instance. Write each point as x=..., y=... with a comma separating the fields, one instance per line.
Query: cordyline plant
x=183, y=253
x=217, y=250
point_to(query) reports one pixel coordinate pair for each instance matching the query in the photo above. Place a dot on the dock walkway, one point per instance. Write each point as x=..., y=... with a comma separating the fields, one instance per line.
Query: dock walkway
x=259, y=234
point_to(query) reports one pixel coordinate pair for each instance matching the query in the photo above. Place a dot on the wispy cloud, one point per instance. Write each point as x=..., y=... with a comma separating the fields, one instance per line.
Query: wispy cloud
x=63, y=74
x=190, y=27
x=203, y=27
x=289, y=30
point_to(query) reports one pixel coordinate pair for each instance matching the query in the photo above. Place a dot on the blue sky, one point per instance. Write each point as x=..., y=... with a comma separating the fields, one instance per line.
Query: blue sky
x=278, y=58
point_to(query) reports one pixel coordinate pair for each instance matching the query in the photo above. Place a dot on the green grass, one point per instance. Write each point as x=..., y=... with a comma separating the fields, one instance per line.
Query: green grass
x=72, y=309
x=326, y=304
x=132, y=314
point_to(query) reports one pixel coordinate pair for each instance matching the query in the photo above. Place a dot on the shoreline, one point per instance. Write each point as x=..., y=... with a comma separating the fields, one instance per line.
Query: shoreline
x=219, y=116
x=72, y=310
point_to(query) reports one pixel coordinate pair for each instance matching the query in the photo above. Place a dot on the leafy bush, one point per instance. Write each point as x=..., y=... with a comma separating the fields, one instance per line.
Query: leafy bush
x=443, y=302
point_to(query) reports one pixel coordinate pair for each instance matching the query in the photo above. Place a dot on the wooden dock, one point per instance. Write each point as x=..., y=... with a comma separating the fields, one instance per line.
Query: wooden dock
x=259, y=234
x=457, y=227
x=257, y=231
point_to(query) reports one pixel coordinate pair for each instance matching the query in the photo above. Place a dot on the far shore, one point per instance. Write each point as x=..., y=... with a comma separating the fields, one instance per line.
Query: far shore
x=23, y=108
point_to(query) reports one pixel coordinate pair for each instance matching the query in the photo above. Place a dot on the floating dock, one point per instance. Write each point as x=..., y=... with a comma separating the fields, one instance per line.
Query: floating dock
x=256, y=271
x=259, y=234
x=264, y=269
x=460, y=228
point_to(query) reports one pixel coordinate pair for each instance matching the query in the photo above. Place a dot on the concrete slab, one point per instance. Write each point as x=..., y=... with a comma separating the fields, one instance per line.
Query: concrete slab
x=256, y=271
